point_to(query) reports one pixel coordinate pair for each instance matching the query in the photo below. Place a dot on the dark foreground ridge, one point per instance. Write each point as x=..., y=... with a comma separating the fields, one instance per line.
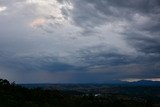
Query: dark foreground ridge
x=12, y=95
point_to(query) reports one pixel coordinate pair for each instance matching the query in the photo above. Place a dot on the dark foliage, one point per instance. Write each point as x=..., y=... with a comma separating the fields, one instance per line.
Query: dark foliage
x=12, y=95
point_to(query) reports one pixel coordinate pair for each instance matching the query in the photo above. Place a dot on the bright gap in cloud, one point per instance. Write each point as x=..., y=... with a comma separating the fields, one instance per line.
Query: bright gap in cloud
x=50, y=12
x=38, y=22
x=3, y=8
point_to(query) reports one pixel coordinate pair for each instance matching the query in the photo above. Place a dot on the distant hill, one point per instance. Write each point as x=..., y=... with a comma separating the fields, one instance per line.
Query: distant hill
x=143, y=83
x=93, y=85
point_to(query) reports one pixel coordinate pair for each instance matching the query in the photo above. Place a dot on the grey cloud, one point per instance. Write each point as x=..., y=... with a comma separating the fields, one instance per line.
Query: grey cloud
x=120, y=66
x=114, y=28
x=92, y=13
x=35, y=64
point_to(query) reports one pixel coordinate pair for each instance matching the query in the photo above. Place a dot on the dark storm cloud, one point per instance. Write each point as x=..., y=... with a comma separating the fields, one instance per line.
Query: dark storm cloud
x=93, y=12
x=119, y=66
x=147, y=45
x=115, y=40
x=30, y=64
x=143, y=37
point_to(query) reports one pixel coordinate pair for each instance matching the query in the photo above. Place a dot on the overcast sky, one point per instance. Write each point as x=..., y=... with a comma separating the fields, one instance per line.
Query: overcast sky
x=79, y=41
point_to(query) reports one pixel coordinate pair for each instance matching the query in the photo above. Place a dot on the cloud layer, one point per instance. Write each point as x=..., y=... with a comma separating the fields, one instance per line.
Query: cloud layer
x=79, y=40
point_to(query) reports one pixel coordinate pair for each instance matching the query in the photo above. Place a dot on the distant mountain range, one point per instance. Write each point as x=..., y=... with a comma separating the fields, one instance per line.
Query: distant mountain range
x=143, y=87
x=70, y=86
x=143, y=83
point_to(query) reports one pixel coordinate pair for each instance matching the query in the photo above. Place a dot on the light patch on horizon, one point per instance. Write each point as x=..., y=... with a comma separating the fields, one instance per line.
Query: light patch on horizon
x=139, y=79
